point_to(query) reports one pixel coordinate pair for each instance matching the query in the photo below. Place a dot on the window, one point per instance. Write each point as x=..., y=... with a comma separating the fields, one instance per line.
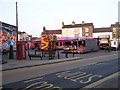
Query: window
x=81, y=43
x=76, y=35
x=67, y=43
x=60, y=43
x=75, y=43
x=114, y=30
x=86, y=34
x=76, y=31
x=56, y=43
x=87, y=30
x=114, y=35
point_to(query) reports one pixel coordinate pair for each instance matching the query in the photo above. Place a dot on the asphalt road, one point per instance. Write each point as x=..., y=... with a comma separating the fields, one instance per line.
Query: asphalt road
x=73, y=78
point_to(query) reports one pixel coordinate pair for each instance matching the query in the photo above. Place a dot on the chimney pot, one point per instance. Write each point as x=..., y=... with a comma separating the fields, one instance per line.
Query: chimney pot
x=73, y=23
x=83, y=22
x=62, y=24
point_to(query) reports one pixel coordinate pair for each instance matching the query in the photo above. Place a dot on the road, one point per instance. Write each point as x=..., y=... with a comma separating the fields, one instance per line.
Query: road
x=75, y=74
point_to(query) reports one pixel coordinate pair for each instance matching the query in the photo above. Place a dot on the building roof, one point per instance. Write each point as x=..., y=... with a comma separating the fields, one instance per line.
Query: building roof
x=104, y=29
x=59, y=31
x=87, y=24
x=77, y=25
x=113, y=25
x=72, y=26
x=8, y=25
x=21, y=32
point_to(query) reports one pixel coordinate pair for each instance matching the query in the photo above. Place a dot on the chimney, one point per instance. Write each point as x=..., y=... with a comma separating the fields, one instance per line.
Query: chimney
x=73, y=23
x=62, y=24
x=44, y=29
x=83, y=22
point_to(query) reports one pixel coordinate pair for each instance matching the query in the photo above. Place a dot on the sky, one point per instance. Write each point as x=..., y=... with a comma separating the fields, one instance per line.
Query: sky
x=33, y=15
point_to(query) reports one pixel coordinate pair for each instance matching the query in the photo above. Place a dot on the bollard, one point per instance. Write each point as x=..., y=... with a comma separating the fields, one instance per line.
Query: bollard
x=50, y=54
x=73, y=53
x=58, y=55
x=11, y=52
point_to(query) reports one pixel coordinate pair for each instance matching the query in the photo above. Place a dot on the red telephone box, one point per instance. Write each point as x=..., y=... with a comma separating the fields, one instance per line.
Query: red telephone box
x=21, y=50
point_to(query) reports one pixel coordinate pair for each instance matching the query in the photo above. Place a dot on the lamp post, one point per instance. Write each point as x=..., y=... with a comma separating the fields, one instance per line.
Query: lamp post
x=117, y=36
x=17, y=48
x=16, y=22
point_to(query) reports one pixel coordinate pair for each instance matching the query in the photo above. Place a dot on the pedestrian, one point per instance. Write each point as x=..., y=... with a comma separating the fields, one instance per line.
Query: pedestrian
x=11, y=52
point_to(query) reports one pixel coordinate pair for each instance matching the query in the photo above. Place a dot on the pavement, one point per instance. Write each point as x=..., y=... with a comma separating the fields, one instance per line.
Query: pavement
x=11, y=64
x=16, y=64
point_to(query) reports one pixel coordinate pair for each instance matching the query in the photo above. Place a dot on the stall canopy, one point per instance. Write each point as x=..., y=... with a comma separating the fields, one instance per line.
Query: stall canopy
x=66, y=38
x=36, y=40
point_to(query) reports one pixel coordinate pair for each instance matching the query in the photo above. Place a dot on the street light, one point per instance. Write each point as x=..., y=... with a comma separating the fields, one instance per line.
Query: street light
x=118, y=34
x=17, y=48
x=16, y=22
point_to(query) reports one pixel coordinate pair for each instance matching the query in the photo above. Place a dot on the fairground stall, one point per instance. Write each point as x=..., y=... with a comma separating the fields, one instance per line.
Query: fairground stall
x=80, y=44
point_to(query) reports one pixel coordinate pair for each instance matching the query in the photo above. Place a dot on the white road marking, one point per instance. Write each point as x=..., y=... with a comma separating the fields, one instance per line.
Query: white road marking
x=101, y=81
x=32, y=79
x=81, y=77
x=90, y=79
x=36, y=84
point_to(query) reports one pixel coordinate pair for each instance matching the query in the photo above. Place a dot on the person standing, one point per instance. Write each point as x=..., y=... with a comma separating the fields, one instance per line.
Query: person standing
x=11, y=52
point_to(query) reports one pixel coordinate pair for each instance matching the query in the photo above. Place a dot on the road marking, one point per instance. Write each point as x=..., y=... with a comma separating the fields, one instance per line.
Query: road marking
x=44, y=86
x=101, y=81
x=81, y=77
x=75, y=76
x=90, y=78
x=36, y=84
x=62, y=74
x=32, y=79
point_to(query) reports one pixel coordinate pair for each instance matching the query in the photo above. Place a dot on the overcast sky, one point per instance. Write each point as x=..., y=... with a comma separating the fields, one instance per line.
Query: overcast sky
x=34, y=14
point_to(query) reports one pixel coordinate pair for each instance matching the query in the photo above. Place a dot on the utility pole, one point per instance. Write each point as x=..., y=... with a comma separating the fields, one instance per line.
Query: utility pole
x=118, y=34
x=17, y=48
x=16, y=22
